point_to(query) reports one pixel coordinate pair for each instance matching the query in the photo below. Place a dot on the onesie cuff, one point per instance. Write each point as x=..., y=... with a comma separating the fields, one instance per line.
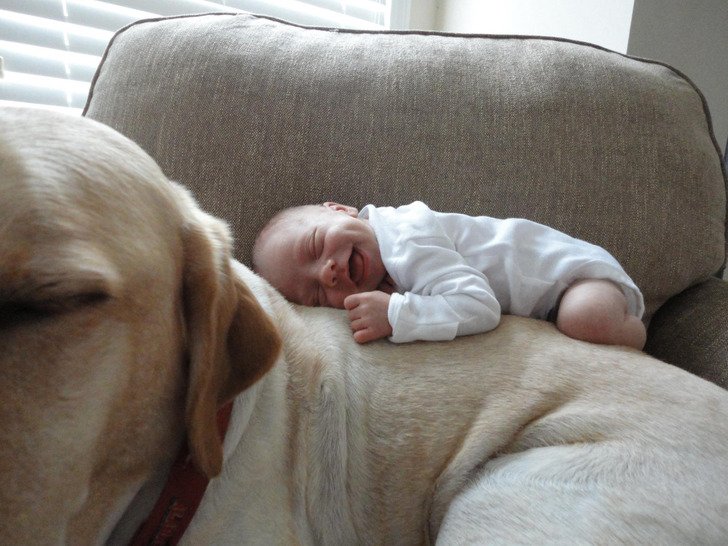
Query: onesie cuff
x=395, y=306
x=407, y=327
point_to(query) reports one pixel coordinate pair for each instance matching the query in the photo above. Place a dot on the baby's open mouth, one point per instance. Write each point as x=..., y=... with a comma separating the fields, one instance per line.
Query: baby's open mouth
x=356, y=266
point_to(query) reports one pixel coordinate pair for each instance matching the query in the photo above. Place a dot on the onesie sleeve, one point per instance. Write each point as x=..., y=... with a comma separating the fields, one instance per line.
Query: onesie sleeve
x=440, y=317
x=444, y=297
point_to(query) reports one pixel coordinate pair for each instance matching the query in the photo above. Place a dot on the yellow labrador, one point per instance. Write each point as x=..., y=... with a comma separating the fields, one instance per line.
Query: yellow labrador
x=124, y=324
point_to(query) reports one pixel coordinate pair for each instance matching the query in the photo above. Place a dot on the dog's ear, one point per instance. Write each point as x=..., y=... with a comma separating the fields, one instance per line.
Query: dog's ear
x=231, y=341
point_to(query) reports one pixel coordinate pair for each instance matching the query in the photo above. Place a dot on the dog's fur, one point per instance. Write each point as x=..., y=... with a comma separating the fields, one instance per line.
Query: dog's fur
x=124, y=323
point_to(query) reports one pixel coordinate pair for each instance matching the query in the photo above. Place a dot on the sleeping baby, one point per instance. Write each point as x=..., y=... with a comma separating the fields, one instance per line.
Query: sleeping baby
x=410, y=273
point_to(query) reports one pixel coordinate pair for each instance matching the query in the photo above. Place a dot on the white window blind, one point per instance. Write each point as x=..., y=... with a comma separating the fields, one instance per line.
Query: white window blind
x=50, y=48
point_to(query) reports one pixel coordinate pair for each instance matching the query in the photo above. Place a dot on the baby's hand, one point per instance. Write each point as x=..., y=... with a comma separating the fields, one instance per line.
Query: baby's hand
x=368, y=315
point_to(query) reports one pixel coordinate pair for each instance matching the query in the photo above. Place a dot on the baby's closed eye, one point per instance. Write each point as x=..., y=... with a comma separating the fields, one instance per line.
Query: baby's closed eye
x=311, y=245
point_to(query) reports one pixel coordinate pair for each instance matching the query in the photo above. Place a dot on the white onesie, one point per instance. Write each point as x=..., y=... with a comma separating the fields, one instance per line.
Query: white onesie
x=455, y=274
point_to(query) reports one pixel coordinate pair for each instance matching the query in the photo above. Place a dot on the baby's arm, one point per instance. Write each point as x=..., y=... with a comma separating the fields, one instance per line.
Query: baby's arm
x=440, y=317
x=368, y=315
x=448, y=297
x=459, y=302
x=444, y=295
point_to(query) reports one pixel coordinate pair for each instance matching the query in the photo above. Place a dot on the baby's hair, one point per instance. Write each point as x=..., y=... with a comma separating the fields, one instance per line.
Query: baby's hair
x=280, y=219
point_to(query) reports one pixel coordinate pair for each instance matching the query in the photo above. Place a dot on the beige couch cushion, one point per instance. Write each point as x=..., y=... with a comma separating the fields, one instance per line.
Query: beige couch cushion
x=254, y=115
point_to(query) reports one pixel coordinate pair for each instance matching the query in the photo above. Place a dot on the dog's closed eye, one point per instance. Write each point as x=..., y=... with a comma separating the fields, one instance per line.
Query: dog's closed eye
x=47, y=295
x=38, y=307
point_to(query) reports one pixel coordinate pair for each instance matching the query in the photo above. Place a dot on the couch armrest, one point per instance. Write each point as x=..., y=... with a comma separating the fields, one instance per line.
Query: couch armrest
x=691, y=331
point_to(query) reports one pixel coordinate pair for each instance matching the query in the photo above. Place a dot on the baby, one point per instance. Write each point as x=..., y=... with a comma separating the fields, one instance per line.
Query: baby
x=410, y=273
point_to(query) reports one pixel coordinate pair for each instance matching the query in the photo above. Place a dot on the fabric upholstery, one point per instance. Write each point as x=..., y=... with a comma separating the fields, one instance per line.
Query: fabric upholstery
x=691, y=331
x=254, y=114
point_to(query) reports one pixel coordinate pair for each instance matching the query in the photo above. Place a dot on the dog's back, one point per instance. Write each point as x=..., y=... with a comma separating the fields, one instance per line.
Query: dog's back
x=519, y=436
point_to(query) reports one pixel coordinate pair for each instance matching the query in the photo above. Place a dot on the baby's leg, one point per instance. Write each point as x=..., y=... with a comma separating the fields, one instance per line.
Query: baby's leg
x=596, y=311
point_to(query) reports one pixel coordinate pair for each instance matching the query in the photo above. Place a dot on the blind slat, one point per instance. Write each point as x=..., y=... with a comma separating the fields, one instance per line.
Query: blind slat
x=42, y=89
x=88, y=13
x=51, y=48
x=318, y=13
x=42, y=61
x=178, y=7
x=28, y=29
x=301, y=13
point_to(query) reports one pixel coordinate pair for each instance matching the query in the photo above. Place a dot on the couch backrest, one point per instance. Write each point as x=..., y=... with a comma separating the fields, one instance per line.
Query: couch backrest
x=254, y=115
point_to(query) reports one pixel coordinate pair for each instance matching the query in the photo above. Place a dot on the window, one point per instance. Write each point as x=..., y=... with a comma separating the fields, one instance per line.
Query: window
x=50, y=48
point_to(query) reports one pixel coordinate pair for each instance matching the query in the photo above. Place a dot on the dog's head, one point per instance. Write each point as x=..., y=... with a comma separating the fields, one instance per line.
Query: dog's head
x=122, y=327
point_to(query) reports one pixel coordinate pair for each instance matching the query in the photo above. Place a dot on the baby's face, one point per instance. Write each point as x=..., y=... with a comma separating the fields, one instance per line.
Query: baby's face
x=322, y=257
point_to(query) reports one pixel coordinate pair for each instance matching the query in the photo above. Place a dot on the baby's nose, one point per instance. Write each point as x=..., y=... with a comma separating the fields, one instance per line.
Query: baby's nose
x=329, y=273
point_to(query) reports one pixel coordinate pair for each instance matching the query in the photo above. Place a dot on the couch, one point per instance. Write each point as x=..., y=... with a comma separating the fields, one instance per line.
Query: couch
x=254, y=114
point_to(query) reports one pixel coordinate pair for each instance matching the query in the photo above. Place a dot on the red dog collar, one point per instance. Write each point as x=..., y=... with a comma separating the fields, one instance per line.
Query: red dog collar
x=180, y=497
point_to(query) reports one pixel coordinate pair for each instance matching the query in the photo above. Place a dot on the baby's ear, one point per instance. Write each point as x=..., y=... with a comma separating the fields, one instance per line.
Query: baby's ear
x=346, y=209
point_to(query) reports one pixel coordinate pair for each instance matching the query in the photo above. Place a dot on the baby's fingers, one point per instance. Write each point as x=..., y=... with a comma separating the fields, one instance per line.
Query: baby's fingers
x=365, y=335
x=354, y=313
x=351, y=302
x=357, y=323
